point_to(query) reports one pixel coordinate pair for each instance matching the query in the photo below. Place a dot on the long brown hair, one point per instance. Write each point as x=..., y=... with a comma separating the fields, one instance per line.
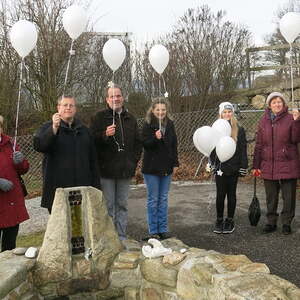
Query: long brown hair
x=234, y=127
x=149, y=115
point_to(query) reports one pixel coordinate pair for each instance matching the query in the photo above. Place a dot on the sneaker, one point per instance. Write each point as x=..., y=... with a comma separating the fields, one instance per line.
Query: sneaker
x=286, y=229
x=269, y=228
x=165, y=235
x=228, y=226
x=151, y=236
x=218, y=226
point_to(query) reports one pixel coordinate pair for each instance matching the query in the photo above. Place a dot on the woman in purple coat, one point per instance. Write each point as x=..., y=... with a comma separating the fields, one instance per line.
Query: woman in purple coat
x=276, y=160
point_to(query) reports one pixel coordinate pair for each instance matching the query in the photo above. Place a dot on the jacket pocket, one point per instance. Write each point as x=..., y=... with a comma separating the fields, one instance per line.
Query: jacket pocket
x=281, y=155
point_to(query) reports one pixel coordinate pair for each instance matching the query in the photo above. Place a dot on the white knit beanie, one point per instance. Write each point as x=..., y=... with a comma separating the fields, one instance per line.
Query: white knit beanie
x=274, y=95
x=225, y=105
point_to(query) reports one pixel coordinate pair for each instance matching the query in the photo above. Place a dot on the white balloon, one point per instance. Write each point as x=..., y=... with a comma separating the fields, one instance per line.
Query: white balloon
x=159, y=58
x=222, y=127
x=74, y=21
x=114, y=53
x=23, y=37
x=289, y=26
x=225, y=148
x=205, y=139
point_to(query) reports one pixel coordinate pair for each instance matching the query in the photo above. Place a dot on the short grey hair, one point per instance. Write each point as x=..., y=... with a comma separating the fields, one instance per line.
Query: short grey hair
x=65, y=96
x=1, y=121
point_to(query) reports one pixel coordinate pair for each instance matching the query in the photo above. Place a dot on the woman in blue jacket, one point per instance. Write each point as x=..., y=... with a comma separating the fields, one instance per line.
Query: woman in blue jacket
x=160, y=158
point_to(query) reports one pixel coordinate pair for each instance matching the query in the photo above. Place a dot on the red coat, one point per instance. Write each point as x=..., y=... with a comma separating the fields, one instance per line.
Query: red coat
x=12, y=203
x=276, y=151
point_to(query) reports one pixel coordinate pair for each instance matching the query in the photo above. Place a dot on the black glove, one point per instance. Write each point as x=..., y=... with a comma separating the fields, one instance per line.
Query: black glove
x=243, y=172
x=18, y=157
x=5, y=185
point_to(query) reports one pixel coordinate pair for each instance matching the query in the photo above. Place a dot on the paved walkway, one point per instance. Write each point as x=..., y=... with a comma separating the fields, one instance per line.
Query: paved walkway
x=191, y=219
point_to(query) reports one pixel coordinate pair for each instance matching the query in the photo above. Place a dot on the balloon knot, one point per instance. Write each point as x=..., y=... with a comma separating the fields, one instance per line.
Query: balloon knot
x=72, y=52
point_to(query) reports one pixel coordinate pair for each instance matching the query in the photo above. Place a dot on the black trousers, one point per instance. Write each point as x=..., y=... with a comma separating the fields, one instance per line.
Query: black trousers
x=226, y=186
x=288, y=193
x=8, y=237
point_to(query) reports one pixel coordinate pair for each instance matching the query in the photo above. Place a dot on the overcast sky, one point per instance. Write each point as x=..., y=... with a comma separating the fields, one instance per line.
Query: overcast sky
x=147, y=18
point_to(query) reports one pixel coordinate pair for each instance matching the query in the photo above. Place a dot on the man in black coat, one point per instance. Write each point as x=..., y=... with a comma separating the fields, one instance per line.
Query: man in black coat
x=69, y=152
x=119, y=148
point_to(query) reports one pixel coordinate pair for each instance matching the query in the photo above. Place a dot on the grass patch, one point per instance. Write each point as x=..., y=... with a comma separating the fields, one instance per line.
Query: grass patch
x=29, y=240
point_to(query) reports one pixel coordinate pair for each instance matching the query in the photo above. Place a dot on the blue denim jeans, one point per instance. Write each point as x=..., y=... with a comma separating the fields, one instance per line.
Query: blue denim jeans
x=115, y=192
x=157, y=202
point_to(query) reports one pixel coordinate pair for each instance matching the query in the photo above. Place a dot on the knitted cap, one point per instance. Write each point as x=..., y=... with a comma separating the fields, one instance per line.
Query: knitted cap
x=225, y=105
x=275, y=95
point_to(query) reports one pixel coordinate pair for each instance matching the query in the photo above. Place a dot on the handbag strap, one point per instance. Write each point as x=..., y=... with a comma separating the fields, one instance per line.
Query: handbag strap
x=254, y=187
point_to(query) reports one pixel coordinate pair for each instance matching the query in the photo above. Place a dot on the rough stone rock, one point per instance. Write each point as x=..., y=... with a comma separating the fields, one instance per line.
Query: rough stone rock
x=80, y=285
x=174, y=244
x=150, y=294
x=124, y=265
x=214, y=258
x=167, y=295
x=293, y=293
x=19, y=251
x=13, y=271
x=251, y=286
x=254, y=268
x=54, y=262
x=231, y=263
x=154, y=271
x=194, y=279
x=258, y=101
x=129, y=256
x=121, y=278
x=131, y=293
x=81, y=267
x=111, y=293
x=131, y=245
x=173, y=258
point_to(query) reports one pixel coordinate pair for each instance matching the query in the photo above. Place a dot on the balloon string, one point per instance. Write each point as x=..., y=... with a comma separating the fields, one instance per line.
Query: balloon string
x=159, y=93
x=199, y=166
x=292, y=80
x=164, y=83
x=113, y=95
x=18, y=105
x=68, y=66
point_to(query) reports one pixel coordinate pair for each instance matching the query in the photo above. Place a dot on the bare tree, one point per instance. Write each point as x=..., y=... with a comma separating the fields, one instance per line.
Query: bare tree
x=206, y=56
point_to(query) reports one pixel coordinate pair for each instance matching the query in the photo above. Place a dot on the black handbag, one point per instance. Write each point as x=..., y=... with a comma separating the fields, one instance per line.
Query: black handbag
x=254, y=211
x=23, y=186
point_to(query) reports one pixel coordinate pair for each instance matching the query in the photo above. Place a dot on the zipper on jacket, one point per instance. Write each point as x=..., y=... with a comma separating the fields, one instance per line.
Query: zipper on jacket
x=273, y=160
x=121, y=127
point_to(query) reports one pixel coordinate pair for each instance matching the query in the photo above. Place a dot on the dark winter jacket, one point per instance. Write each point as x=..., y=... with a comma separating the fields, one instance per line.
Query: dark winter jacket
x=12, y=204
x=118, y=155
x=275, y=152
x=69, y=158
x=237, y=161
x=160, y=156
